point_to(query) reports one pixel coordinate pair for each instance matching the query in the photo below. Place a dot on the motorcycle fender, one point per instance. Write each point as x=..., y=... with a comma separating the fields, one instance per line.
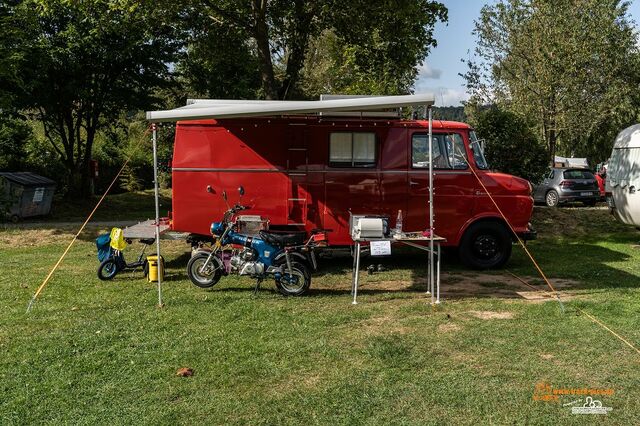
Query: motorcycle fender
x=294, y=256
x=199, y=250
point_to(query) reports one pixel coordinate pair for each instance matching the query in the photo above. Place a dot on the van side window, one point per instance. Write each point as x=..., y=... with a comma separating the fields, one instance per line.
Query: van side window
x=352, y=149
x=448, y=151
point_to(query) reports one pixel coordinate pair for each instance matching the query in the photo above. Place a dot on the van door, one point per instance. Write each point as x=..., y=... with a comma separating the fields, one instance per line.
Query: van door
x=454, y=184
x=351, y=180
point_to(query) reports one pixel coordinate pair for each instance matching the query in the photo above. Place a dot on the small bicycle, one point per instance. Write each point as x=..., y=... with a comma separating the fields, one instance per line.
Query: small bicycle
x=113, y=261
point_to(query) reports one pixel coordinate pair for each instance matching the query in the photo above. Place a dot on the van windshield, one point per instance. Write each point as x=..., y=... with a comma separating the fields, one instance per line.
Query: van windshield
x=448, y=151
x=478, y=152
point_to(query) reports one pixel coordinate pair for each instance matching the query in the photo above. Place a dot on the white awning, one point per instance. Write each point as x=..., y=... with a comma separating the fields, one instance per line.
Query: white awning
x=221, y=108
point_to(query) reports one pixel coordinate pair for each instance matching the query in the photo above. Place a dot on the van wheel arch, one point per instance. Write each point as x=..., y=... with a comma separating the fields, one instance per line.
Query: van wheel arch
x=486, y=244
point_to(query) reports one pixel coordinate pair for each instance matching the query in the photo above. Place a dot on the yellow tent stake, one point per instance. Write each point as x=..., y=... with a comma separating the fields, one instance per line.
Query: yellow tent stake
x=46, y=280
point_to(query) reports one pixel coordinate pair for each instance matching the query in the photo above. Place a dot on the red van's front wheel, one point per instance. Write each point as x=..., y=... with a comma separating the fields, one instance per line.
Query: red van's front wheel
x=485, y=245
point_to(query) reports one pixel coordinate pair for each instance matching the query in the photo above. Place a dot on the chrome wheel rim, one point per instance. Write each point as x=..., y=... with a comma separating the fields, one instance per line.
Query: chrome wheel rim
x=110, y=268
x=203, y=274
x=291, y=287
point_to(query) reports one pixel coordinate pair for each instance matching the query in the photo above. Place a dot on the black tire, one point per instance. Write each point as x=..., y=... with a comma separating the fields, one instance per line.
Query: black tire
x=108, y=269
x=485, y=245
x=302, y=282
x=551, y=198
x=204, y=278
x=14, y=218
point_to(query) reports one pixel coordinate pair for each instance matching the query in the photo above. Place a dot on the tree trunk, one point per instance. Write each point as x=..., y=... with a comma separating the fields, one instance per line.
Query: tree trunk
x=553, y=138
x=79, y=183
x=297, y=49
x=549, y=126
x=261, y=35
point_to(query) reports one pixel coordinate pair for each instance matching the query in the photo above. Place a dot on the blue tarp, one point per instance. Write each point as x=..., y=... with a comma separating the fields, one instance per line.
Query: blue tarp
x=104, y=247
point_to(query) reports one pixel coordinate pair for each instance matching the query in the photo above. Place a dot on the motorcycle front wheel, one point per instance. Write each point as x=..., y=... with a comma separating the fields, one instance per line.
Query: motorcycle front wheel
x=204, y=276
x=295, y=284
x=108, y=269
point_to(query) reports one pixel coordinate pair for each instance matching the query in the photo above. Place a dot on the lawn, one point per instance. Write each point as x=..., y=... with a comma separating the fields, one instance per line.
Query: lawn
x=102, y=353
x=127, y=206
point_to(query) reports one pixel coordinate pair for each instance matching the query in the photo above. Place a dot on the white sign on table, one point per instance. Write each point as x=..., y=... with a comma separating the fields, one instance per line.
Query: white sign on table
x=380, y=248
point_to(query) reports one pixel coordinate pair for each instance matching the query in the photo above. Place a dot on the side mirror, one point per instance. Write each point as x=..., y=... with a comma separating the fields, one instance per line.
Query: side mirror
x=241, y=190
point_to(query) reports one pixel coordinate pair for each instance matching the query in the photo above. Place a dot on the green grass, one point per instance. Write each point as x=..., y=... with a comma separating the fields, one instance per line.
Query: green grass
x=93, y=352
x=138, y=205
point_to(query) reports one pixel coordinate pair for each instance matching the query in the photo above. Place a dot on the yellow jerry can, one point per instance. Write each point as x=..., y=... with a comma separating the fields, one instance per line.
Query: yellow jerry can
x=153, y=268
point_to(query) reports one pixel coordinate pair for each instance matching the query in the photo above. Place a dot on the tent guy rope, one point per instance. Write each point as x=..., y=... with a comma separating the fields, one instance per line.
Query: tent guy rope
x=48, y=277
x=582, y=311
x=46, y=280
x=522, y=244
x=553, y=292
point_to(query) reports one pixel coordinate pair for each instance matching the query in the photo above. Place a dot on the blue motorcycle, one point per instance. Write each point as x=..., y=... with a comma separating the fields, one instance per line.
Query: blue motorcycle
x=286, y=257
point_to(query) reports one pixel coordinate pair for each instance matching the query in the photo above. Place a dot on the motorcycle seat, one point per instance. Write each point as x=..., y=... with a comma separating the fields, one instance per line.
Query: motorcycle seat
x=282, y=239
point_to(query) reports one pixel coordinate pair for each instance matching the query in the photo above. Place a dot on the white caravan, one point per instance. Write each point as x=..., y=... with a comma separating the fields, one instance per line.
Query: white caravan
x=623, y=176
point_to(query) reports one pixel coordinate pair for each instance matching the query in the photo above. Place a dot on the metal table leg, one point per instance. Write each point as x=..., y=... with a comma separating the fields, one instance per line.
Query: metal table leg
x=357, y=274
x=431, y=283
x=438, y=277
x=353, y=268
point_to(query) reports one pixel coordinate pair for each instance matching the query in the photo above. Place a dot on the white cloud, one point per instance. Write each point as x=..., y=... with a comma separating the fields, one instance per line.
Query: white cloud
x=425, y=72
x=445, y=96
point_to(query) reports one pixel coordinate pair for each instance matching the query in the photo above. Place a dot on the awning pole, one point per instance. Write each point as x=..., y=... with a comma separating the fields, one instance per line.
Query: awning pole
x=431, y=277
x=154, y=129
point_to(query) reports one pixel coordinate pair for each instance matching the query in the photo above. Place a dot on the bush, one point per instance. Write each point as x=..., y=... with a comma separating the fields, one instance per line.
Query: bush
x=510, y=144
x=15, y=134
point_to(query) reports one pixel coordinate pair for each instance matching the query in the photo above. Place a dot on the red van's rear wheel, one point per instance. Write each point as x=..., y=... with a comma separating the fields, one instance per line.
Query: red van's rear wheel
x=485, y=245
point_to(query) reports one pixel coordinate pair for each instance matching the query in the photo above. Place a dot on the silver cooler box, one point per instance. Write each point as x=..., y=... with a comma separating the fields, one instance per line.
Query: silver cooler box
x=368, y=227
x=251, y=224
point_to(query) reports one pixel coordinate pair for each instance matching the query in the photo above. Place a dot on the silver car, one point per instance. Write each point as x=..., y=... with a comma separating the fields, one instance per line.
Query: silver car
x=567, y=185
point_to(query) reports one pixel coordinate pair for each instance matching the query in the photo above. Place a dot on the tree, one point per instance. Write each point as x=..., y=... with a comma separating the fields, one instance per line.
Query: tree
x=569, y=65
x=451, y=113
x=14, y=136
x=510, y=145
x=82, y=64
x=372, y=46
x=220, y=61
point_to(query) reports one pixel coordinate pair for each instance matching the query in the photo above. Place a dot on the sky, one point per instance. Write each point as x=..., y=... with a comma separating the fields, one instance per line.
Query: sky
x=439, y=73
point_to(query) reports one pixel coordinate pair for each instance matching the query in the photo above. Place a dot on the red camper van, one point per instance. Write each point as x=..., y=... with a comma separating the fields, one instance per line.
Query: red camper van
x=309, y=172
